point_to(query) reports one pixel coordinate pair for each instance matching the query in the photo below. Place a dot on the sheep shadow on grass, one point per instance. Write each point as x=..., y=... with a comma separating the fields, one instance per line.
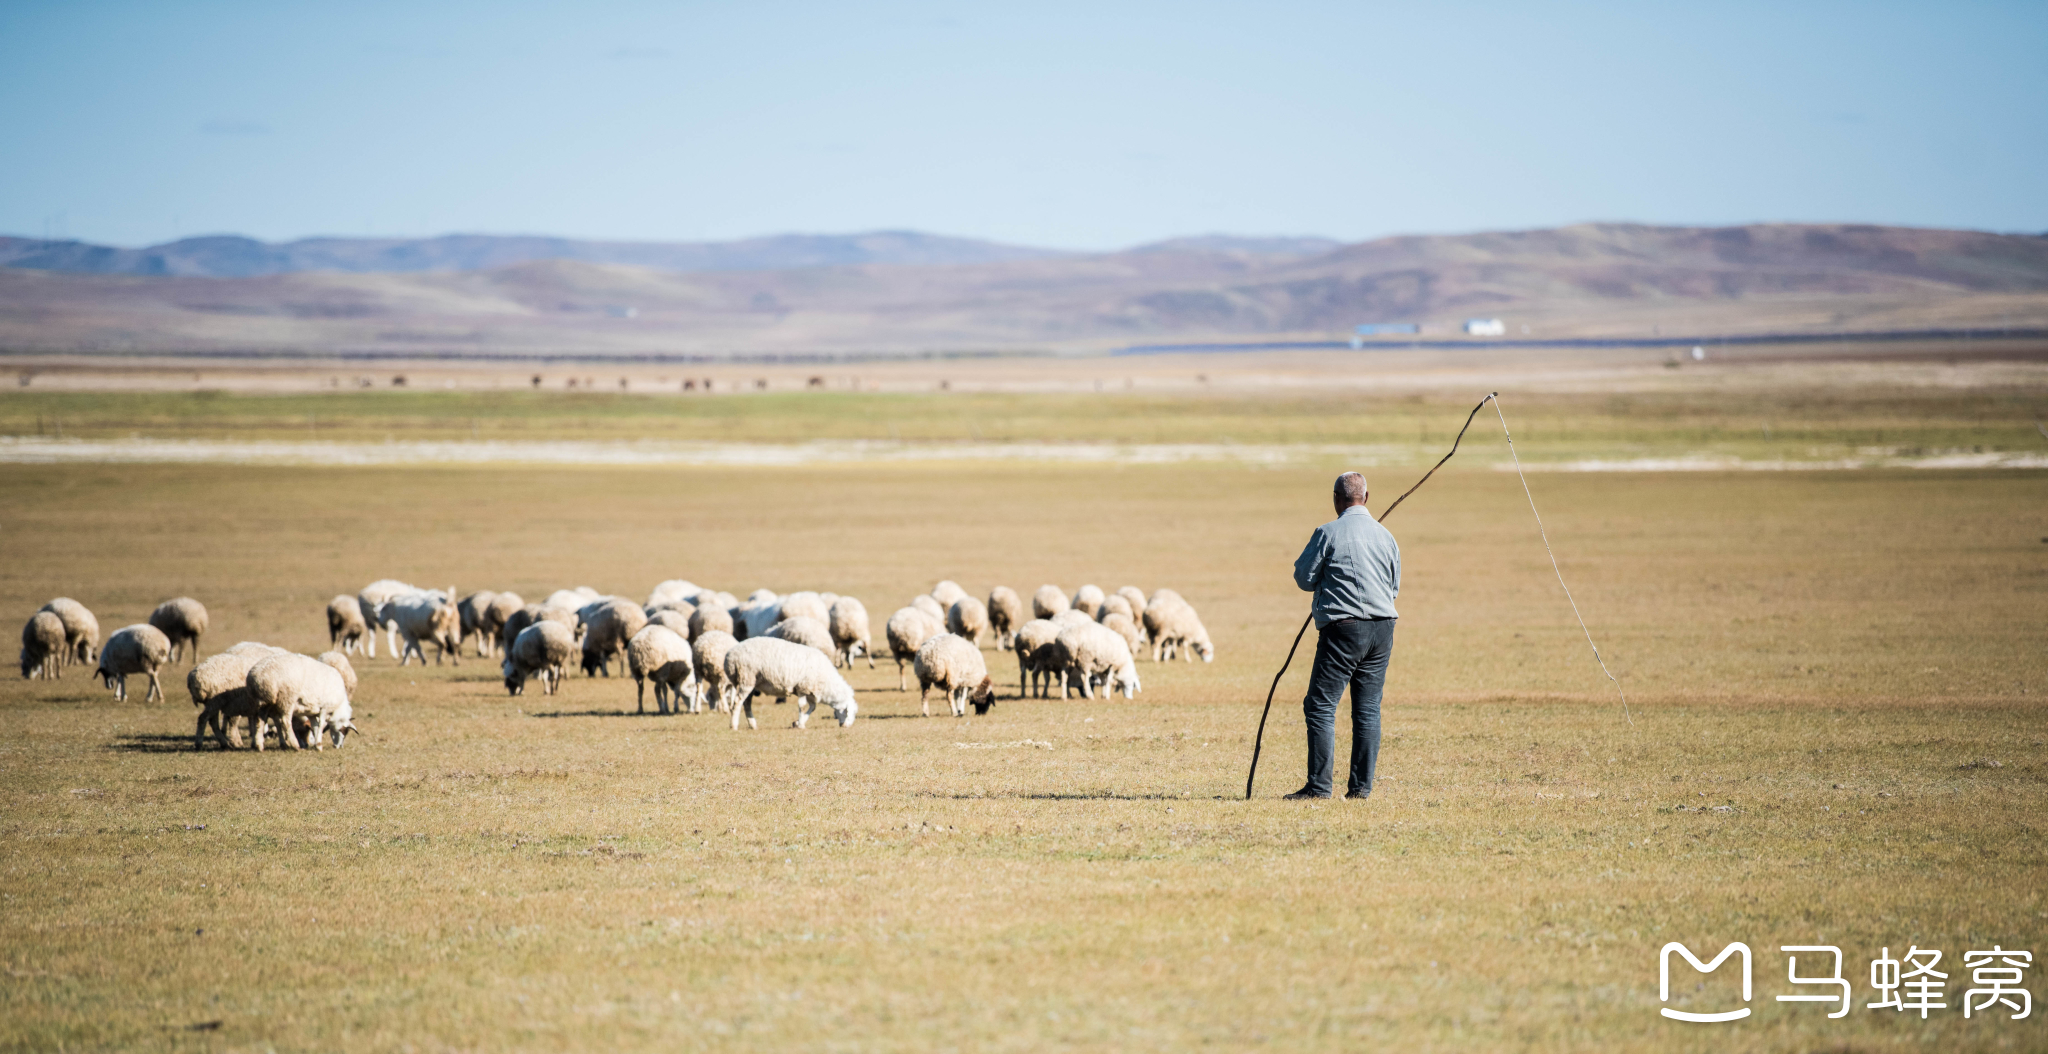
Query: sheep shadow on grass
x=152, y=743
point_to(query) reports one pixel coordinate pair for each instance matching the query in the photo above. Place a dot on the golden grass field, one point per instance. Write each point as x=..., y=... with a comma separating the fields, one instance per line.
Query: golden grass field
x=1851, y=662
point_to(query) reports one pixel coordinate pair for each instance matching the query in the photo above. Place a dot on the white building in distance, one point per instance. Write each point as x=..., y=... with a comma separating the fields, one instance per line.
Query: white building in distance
x=1485, y=327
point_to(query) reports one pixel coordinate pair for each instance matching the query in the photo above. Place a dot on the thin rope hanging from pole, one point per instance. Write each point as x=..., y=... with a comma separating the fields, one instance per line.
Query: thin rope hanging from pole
x=1545, y=535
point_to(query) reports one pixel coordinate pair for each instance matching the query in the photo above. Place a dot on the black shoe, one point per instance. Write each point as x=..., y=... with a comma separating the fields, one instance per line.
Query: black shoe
x=1304, y=794
x=1355, y=796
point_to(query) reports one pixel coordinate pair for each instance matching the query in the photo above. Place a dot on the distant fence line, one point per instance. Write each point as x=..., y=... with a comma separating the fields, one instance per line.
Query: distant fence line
x=1606, y=342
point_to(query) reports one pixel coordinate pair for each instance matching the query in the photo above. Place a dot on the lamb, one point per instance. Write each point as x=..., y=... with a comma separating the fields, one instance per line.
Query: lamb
x=1088, y=599
x=677, y=622
x=779, y=667
x=426, y=616
x=182, y=620
x=907, y=631
x=804, y=605
x=611, y=625
x=1174, y=627
x=930, y=606
x=967, y=618
x=1163, y=595
x=42, y=647
x=1048, y=601
x=848, y=624
x=1032, y=638
x=469, y=612
x=955, y=665
x=345, y=625
x=289, y=688
x=81, y=630
x=141, y=648
x=948, y=593
x=541, y=649
x=220, y=689
x=807, y=631
x=1114, y=604
x=1005, y=614
x=1090, y=651
x=710, y=618
x=491, y=624
x=1124, y=626
x=707, y=655
x=659, y=654
x=1136, y=597
x=372, y=600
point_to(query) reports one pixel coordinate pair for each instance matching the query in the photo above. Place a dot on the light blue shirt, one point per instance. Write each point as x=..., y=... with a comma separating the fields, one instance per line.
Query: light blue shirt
x=1354, y=567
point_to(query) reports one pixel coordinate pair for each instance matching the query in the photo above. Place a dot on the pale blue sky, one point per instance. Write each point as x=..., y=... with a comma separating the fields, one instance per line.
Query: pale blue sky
x=1087, y=125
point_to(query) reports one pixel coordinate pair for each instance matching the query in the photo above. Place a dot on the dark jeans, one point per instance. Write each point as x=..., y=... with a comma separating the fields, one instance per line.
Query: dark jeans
x=1354, y=653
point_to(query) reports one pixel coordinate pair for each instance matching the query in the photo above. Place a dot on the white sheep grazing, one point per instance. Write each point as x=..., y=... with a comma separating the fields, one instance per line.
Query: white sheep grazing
x=610, y=626
x=491, y=624
x=566, y=599
x=289, y=689
x=1114, y=604
x=1175, y=628
x=1071, y=617
x=1126, y=627
x=707, y=656
x=372, y=600
x=759, y=611
x=955, y=665
x=81, y=630
x=220, y=689
x=42, y=647
x=341, y=666
x=948, y=593
x=141, y=648
x=345, y=625
x=469, y=612
x=780, y=668
x=931, y=607
x=426, y=616
x=848, y=624
x=1005, y=614
x=673, y=589
x=1136, y=598
x=907, y=631
x=1032, y=639
x=807, y=631
x=1094, y=651
x=710, y=618
x=677, y=622
x=804, y=604
x=1050, y=600
x=183, y=622
x=659, y=654
x=1164, y=596
x=1088, y=599
x=967, y=618
x=542, y=650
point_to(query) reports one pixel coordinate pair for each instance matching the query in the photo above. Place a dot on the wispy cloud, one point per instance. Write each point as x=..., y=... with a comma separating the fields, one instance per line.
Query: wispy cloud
x=226, y=127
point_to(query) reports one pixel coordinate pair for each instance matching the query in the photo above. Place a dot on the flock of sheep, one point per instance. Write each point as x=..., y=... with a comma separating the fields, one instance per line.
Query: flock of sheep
x=698, y=647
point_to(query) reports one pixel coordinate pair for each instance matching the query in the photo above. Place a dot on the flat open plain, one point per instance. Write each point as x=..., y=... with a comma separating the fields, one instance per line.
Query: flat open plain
x=1835, y=736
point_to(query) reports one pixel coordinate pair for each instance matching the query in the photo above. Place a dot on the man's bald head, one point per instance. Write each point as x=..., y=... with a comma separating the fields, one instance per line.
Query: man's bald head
x=1349, y=490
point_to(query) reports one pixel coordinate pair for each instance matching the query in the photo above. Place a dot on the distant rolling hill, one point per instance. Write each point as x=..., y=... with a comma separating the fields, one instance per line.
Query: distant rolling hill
x=230, y=256
x=1587, y=280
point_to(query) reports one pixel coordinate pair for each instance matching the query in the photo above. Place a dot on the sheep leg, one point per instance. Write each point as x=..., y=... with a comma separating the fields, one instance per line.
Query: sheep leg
x=923, y=689
x=804, y=705
x=901, y=684
x=156, y=690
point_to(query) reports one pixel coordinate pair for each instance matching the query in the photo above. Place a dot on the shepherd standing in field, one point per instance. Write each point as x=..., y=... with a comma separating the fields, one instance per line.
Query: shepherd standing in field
x=1353, y=566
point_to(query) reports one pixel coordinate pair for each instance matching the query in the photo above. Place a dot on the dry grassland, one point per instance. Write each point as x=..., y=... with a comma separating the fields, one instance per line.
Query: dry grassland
x=1837, y=659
